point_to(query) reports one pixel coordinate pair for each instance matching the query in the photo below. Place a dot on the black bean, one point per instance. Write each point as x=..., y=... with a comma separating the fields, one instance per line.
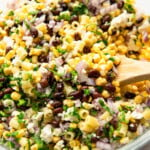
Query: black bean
x=63, y=5
x=120, y=4
x=86, y=49
x=1, y=94
x=56, y=42
x=68, y=77
x=110, y=88
x=59, y=95
x=110, y=76
x=113, y=32
x=2, y=79
x=139, y=20
x=112, y=1
x=76, y=94
x=74, y=18
x=56, y=12
x=94, y=139
x=55, y=123
x=43, y=58
x=130, y=27
x=132, y=52
x=92, y=9
x=105, y=27
x=85, y=98
x=39, y=14
x=77, y=36
x=44, y=82
x=96, y=94
x=8, y=49
x=60, y=86
x=1, y=106
x=105, y=19
x=47, y=18
x=8, y=90
x=132, y=127
x=58, y=110
x=99, y=132
x=50, y=30
x=34, y=32
x=93, y=73
x=114, y=122
x=56, y=104
x=51, y=78
x=129, y=95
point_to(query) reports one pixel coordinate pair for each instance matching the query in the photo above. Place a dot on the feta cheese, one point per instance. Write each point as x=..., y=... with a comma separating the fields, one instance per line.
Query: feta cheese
x=46, y=134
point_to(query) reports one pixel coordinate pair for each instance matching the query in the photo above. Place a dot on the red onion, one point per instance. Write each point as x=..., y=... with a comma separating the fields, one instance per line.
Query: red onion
x=82, y=76
x=59, y=61
x=108, y=9
x=145, y=36
x=103, y=146
x=40, y=20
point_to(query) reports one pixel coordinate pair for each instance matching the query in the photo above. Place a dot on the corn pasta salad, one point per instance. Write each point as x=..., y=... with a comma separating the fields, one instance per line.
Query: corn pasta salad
x=58, y=69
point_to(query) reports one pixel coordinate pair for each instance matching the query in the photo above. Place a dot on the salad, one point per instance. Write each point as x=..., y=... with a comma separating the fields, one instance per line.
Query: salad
x=58, y=69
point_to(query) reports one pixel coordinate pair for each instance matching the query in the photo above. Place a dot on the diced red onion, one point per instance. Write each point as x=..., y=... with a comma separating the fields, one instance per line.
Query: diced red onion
x=40, y=20
x=59, y=61
x=103, y=146
x=145, y=36
x=108, y=9
x=82, y=76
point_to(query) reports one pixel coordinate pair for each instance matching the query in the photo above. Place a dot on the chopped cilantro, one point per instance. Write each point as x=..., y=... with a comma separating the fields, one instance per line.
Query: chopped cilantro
x=97, y=32
x=99, y=88
x=65, y=107
x=11, y=13
x=112, y=59
x=20, y=117
x=105, y=106
x=64, y=16
x=21, y=102
x=27, y=24
x=86, y=92
x=117, y=98
x=87, y=141
x=61, y=51
x=36, y=68
x=80, y=9
x=122, y=117
x=93, y=112
x=7, y=96
x=13, y=134
x=104, y=41
x=33, y=12
x=129, y=8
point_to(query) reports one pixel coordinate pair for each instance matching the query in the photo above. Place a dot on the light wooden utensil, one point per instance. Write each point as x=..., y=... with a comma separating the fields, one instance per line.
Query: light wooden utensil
x=131, y=71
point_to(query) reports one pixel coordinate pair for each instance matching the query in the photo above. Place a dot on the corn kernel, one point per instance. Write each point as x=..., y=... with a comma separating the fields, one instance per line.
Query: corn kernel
x=15, y=96
x=100, y=81
x=146, y=114
x=73, y=125
x=34, y=147
x=138, y=99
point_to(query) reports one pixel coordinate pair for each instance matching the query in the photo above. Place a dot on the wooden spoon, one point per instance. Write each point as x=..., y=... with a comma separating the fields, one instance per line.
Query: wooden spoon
x=131, y=71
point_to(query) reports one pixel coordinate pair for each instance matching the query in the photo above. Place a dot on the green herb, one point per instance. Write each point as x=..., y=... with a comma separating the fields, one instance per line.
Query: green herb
x=105, y=106
x=116, y=138
x=106, y=53
x=117, y=98
x=13, y=134
x=41, y=144
x=129, y=8
x=80, y=9
x=7, y=96
x=99, y=88
x=61, y=51
x=33, y=13
x=111, y=131
x=97, y=32
x=20, y=117
x=64, y=16
x=93, y=112
x=75, y=114
x=21, y=102
x=65, y=107
x=87, y=140
x=17, y=21
x=112, y=59
x=27, y=24
x=36, y=68
x=10, y=145
x=122, y=117
x=11, y=13
x=86, y=92
x=3, y=114
x=104, y=41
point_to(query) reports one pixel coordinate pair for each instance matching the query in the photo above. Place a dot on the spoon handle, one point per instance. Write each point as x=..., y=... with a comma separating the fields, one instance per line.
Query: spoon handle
x=131, y=71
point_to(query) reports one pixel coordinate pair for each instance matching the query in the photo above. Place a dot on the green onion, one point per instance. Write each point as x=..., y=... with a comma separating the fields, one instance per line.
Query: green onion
x=86, y=92
x=11, y=13
x=105, y=106
x=61, y=51
x=80, y=9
